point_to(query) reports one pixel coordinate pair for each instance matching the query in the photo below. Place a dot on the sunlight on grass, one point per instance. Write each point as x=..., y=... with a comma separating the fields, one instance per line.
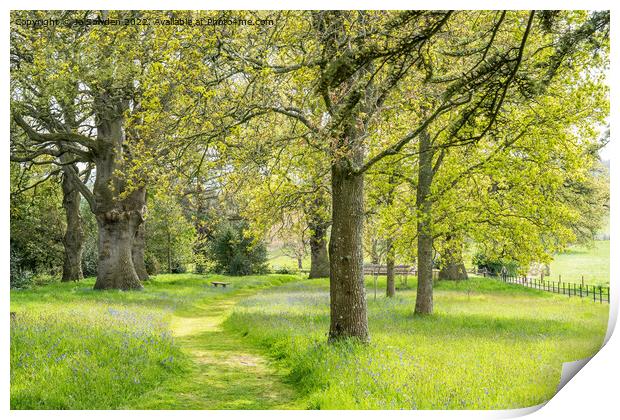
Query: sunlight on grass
x=590, y=262
x=88, y=357
x=488, y=345
x=72, y=347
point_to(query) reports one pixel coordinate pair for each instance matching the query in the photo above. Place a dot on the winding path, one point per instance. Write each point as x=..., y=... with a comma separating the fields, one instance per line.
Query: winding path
x=227, y=371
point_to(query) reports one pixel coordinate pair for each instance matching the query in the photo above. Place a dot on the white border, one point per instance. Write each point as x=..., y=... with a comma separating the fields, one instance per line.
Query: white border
x=592, y=394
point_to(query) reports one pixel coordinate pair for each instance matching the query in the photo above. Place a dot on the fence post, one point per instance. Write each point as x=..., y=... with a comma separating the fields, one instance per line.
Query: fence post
x=594, y=292
x=582, y=284
x=600, y=294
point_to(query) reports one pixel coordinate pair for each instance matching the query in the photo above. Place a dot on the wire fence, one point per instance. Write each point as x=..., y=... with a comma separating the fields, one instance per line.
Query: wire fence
x=581, y=290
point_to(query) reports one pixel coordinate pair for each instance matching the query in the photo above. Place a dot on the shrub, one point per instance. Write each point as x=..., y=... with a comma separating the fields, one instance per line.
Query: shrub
x=494, y=266
x=19, y=278
x=89, y=260
x=286, y=270
x=90, y=254
x=234, y=252
x=178, y=268
x=153, y=267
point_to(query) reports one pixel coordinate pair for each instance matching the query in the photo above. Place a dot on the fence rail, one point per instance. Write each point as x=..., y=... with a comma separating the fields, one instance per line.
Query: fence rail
x=580, y=290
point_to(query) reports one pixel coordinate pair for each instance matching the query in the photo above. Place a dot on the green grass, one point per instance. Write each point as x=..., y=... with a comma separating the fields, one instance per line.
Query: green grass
x=261, y=343
x=73, y=347
x=590, y=262
x=489, y=345
x=276, y=259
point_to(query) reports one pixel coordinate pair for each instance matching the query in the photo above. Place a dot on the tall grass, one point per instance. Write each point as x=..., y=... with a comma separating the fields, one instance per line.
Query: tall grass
x=73, y=347
x=488, y=345
x=88, y=358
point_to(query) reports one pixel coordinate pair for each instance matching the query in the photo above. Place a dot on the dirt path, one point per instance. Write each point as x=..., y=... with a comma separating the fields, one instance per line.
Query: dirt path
x=227, y=372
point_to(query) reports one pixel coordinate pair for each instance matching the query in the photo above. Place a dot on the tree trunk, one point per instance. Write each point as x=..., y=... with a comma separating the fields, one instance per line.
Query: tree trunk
x=300, y=263
x=452, y=266
x=424, y=297
x=73, y=240
x=119, y=210
x=453, y=271
x=116, y=237
x=137, y=253
x=391, y=285
x=348, y=314
x=374, y=253
x=319, y=259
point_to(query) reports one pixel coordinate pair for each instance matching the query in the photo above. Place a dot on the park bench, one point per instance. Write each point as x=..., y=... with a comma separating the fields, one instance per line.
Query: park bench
x=219, y=283
x=377, y=269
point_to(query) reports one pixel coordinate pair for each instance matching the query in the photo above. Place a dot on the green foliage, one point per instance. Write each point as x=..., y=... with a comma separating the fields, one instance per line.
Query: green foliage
x=495, y=266
x=20, y=278
x=170, y=237
x=153, y=267
x=233, y=251
x=37, y=224
x=286, y=270
x=489, y=345
x=90, y=254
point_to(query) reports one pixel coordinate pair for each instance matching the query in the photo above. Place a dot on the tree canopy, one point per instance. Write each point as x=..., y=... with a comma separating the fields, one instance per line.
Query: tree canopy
x=422, y=130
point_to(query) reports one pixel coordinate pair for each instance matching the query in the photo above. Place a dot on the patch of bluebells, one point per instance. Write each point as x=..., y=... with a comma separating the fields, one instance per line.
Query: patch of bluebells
x=113, y=349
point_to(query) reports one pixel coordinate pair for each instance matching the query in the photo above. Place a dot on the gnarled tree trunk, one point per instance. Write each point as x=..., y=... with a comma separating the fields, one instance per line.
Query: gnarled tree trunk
x=73, y=240
x=424, y=297
x=347, y=291
x=119, y=210
x=319, y=259
x=115, y=269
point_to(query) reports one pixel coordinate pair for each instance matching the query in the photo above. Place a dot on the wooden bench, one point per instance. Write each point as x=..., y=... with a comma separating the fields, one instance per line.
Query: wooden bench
x=219, y=283
x=399, y=270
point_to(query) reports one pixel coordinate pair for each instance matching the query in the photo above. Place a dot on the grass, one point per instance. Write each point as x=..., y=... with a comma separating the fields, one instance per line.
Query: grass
x=489, y=345
x=72, y=347
x=277, y=259
x=261, y=343
x=590, y=262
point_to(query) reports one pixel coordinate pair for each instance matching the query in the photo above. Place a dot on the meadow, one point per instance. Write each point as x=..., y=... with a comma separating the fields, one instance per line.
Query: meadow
x=591, y=262
x=76, y=348
x=489, y=345
x=261, y=343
